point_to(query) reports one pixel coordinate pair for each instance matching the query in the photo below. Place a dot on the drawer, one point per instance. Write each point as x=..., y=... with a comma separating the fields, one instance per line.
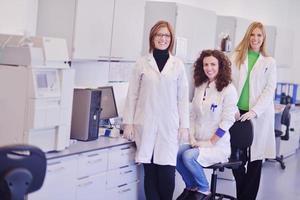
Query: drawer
x=127, y=191
x=60, y=180
x=91, y=187
x=121, y=156
x=121, y=176
x=92, y=162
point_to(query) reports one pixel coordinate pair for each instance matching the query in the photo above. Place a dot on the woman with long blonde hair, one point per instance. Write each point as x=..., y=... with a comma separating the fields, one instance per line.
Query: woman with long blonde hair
x=254, y=76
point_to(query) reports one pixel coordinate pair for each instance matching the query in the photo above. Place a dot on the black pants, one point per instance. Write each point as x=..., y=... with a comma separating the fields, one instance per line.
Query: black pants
x=247, y=181
x=159, y=181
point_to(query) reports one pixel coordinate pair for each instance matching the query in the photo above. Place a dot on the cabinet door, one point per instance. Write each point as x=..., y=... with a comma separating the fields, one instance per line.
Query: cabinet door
x=121, y=156
x=127, y=29
x=200, y=34
x=271, y=39
x=60, y=180
x=91, y=187
x=93, y=28
x=154, y=12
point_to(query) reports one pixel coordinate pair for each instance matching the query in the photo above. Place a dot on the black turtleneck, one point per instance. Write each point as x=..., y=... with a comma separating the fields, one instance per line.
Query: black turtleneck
x=161, y=57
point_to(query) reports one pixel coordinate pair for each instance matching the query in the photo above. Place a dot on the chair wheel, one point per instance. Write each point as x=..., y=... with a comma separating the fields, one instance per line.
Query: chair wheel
x=282, y=166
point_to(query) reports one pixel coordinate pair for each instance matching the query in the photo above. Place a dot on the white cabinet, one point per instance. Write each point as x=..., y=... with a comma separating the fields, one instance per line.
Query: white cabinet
x=194, y=27
x=60, y=180
x=128, y=26
x=121, y=156
x=109, y=172
x=91, y=187
x=236, y=28
x=94, y=29
x=93, y=25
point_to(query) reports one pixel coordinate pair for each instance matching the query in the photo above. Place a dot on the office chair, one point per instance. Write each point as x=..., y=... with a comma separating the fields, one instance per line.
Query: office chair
x=22, y=171
x=285, y=120
x=241, y=137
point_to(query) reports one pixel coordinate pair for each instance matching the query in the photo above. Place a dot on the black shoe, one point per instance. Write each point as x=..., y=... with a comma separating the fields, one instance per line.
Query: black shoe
x=198, y=196
x=184, y=194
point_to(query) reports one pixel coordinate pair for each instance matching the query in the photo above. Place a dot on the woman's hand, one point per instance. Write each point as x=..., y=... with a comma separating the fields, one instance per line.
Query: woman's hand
x=183, y=134
x=192, y=141
x=203, y=144
x=128, y=132
x=248, y=116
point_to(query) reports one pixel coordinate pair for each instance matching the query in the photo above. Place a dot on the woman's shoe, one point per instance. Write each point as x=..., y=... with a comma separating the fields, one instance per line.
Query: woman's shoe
x=184, y=195
x=198, y=196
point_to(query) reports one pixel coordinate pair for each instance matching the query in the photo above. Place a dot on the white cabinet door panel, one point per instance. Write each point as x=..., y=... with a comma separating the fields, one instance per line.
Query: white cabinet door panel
x=93, y=25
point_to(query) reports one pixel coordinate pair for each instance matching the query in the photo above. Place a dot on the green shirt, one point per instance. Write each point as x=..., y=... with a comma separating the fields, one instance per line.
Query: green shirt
x=243, y=102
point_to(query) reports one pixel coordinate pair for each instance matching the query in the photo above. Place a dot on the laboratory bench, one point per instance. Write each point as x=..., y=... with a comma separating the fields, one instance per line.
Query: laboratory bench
x=98, y=169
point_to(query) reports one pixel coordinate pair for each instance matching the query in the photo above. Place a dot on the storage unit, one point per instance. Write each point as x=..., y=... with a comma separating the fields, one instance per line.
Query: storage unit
x=94, y=29
x=193, y=37
x=60, y=180
x=109, y=172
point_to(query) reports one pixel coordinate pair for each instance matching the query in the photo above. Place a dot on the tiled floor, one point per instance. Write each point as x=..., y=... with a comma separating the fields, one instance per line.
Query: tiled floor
x=276, y=184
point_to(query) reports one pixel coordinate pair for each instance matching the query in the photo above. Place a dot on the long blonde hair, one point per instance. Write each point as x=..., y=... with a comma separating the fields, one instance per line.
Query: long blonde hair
x=243, y=47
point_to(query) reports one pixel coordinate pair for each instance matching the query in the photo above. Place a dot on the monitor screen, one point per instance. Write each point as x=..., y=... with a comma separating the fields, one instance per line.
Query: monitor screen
x=108, y=103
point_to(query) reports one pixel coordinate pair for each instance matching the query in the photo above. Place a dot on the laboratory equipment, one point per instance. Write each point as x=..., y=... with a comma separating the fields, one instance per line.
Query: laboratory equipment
x=36, y=85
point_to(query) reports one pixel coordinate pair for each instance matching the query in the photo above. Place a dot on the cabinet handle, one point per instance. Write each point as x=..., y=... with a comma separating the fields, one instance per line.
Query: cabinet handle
x=124, y=148
x=56, y=170
x=126, y=190
x=95, y=161
x=126, y=172
x=92, y=155
x=85, y=184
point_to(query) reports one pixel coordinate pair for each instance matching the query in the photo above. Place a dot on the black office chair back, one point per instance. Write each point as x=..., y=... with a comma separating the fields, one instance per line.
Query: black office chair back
x=241, y=138
x=286, y=115
x=241, y=134
x=285, y=120
x=22, y=171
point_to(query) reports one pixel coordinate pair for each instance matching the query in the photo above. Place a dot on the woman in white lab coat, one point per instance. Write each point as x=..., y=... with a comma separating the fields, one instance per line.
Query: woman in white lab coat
x=254, y=75
x=213, y=113
x=157, y=111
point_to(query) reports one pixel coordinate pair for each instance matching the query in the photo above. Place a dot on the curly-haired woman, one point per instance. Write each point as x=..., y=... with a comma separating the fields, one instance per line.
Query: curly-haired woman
x=213, y=113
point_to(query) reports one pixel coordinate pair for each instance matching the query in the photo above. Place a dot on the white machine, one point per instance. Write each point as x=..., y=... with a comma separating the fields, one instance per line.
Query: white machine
x=36, y=92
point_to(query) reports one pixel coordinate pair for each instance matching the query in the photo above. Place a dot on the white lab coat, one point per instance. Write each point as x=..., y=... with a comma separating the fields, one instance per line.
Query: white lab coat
x=157, y=105
x=262, y=84
x=205, y=120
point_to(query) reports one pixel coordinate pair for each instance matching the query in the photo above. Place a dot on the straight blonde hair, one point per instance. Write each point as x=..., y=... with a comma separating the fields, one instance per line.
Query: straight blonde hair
x=242, y=49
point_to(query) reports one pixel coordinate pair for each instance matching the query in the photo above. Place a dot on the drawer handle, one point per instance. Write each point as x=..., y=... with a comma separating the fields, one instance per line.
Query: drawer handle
x=56, y=170
x=54, y=163
x=126, y=172
x=85, y=184
x=92, y=155
x=95, y=161
x=126, y=190
x=124, y=148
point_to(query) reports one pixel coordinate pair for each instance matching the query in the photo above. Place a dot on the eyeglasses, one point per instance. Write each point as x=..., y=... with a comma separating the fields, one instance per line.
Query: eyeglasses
x=161, y=35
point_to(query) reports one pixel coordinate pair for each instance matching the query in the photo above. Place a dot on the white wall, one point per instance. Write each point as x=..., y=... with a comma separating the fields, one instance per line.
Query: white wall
x=18, y=16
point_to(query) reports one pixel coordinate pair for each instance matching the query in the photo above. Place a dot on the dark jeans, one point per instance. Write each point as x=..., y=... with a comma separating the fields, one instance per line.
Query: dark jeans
x=159, y=181
x=247, y=181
